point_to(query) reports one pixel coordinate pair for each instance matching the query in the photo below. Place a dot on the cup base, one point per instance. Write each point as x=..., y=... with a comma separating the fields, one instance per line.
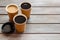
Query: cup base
x=19, y=32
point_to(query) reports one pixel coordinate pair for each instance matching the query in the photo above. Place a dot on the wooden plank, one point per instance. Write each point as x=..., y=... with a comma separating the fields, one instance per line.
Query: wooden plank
x=31, y=37
x=41, y=28
x=36, y=19
x=38, y=10
x=33, y=2
x=6, y=2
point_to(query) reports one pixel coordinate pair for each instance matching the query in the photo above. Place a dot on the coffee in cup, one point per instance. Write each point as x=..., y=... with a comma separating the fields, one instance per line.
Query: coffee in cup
x=26, y=9
x=20, y=23
x=12, y=10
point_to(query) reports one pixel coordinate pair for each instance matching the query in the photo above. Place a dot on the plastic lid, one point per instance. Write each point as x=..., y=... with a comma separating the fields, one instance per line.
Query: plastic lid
x=8, y=28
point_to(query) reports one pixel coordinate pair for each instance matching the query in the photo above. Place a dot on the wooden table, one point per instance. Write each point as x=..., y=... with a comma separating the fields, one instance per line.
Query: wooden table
x=44, y=23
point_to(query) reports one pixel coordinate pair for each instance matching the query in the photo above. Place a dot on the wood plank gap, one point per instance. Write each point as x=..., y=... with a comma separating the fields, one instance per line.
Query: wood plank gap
x=41, y=33
x=45, y=14
x=2, y=6
x=36, y=14
x=3, y=14
x=45, y=6
x=33, y=33
x=37, y=6
x=43, y=23
x=39, y=23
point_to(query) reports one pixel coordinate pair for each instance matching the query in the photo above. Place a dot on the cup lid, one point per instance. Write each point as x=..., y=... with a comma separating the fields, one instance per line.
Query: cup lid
x=8, y=28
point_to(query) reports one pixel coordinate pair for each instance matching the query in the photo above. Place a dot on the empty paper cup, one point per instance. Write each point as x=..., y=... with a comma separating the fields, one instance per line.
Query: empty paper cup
x=12, y=10
x=20, y=23
x=26, y=9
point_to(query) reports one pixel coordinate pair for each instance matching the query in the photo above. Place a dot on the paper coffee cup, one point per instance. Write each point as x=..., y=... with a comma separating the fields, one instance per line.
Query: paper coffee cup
x=20, y=23
x=12, y=10
x=26, y=9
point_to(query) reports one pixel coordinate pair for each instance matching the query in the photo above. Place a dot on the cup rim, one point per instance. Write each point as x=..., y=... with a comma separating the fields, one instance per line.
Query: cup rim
x=25, y=2
x=10, y=5
x=19, y=15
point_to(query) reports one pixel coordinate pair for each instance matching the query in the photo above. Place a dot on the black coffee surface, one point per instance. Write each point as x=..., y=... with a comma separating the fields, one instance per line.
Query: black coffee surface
x=20, y=19
x=25, y=5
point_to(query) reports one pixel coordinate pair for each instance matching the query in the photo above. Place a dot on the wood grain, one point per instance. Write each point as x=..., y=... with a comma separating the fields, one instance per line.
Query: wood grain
x=33, y=2
x=41, y=29
x=44, y=23
x=31, y=37
x=36, y=19
x=41, y=10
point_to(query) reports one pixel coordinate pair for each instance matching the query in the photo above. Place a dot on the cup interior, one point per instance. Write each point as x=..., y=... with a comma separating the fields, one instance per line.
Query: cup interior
x=25, y=5
x=12, y=8
x=20, y=19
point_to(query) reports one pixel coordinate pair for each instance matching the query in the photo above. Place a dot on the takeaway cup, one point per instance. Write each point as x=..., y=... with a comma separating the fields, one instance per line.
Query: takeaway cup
x=20, y=23
x=26, y=9
x=12, y=10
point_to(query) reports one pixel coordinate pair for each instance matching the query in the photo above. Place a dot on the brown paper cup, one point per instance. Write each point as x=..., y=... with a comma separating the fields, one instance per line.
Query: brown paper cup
x=26, y=9
x=20, y=23
x=12, y=10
